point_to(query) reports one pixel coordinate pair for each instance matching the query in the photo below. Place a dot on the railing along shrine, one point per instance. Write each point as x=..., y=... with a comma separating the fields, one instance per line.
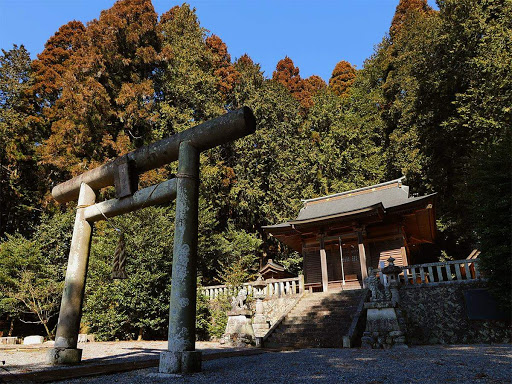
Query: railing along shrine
x=441, y=272
x=274, y=288
x=429, y=273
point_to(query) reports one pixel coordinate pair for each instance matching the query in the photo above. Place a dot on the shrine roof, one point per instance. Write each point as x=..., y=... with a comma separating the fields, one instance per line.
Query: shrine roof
x=272, y=266
x=388, y=195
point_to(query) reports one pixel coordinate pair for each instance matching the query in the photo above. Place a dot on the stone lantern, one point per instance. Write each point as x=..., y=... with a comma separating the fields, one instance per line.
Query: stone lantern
x=259, y=324
x=384, y=325
x=392, y=271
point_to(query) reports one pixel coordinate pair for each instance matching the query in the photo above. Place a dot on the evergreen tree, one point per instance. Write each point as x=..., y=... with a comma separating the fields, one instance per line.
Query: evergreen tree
x=107, y=98
x=303, y=90
x=187, y=87
x=19, y=181
x=342, y=78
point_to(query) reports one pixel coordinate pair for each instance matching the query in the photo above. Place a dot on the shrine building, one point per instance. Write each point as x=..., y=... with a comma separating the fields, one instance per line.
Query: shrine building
x=341, y=235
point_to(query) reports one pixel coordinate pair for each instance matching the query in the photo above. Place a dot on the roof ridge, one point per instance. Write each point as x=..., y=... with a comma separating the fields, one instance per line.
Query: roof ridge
x=399, y=180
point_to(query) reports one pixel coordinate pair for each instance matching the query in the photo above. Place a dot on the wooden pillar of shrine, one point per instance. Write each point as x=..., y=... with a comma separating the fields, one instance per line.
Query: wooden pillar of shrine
x=323, y=264
x=362, y=256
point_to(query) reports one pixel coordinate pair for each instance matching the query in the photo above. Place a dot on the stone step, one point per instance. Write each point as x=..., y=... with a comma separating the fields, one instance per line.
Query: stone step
x=320, y=308
x=316, y=316
x=316, y=324
x=324, y=310
x=332, y=301
x=338, y=295
x=329, y=304
x=303, y=345
x=335, y=322
x=332, y=323
x=309, y=329
x=300, y=337
x=308, y=342
x=327, y=301
x=318, y=320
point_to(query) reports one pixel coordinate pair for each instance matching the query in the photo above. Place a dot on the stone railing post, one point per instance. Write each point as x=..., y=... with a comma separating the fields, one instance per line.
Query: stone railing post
x=301, y=284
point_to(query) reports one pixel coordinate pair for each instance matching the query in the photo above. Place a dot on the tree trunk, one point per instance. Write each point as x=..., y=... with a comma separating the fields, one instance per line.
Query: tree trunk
x=47, y=330
x=140, y=334
x=11, y=328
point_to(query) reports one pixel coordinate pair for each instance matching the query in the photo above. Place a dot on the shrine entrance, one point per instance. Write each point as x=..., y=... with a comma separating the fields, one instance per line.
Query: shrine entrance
x=123, y=173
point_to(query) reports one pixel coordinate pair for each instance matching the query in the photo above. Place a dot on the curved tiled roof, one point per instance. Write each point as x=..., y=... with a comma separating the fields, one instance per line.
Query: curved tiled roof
x=387, y=195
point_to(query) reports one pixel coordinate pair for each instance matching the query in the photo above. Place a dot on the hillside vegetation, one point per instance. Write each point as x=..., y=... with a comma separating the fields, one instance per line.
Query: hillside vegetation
x=434, y=103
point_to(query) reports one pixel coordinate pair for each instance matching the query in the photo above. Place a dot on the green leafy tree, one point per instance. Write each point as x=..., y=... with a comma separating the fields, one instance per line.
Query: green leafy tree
x=138, y=306
x=490, y=194
x=32, y=272
x=440, y=87
x=343, y=153
x=187, y=84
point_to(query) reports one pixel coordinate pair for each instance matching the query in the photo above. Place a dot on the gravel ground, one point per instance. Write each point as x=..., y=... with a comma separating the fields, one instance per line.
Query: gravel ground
x=21, y=358
x=425, y=364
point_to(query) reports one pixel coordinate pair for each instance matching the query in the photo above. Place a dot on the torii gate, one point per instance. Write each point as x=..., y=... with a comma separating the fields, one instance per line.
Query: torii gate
x=123, y=172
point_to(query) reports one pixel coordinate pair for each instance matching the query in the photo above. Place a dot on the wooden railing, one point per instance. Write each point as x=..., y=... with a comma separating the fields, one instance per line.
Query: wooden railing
x=274, y=288
x=447, y=271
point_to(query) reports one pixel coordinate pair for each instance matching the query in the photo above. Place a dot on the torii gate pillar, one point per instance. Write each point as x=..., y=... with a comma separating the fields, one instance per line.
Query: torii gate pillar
x=66, y=339
x=181, y=355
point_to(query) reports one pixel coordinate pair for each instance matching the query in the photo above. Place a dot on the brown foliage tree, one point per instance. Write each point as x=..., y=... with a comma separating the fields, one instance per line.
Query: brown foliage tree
x=224, y=69
x=342, y=78
x=107, y=89
x=303, y=90
x=51, y=64
x=287, y=74
x=315, y=83
x=405, y=9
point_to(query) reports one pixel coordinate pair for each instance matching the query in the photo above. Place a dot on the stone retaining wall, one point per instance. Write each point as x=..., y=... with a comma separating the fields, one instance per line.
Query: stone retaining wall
x=437, y=315
x=275, y=307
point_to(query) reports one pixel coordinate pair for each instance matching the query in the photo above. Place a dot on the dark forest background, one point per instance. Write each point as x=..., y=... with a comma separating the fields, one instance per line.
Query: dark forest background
x=433, y=103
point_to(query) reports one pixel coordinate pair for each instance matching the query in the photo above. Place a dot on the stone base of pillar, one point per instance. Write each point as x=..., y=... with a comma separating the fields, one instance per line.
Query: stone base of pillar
x=180, y=362
x=57, y=356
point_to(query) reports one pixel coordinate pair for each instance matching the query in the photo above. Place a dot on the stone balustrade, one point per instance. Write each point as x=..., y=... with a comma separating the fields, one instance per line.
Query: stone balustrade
x=441, y=272
x=8, y=340
x=274, y=288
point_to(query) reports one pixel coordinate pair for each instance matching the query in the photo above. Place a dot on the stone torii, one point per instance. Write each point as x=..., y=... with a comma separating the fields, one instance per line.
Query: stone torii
x=123, y=172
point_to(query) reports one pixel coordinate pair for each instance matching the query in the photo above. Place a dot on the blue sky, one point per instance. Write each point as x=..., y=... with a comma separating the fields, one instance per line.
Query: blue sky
x=316, y=34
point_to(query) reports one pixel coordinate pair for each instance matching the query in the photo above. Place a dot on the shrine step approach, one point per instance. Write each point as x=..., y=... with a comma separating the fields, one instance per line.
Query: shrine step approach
x=319, y=320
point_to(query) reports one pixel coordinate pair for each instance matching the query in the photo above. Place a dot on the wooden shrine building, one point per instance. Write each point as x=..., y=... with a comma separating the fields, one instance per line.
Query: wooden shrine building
x=341, y=235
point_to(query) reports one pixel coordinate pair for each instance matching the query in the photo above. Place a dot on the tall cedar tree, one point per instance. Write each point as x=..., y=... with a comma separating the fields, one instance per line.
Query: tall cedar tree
x=342, y=78
x=224, y=69
x=404, y=10
x=20, y=187
x=303, y=90
x=106, y=106
x=52, y=63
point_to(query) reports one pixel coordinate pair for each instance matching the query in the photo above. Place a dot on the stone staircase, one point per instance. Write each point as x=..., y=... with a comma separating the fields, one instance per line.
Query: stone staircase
x=318, y=320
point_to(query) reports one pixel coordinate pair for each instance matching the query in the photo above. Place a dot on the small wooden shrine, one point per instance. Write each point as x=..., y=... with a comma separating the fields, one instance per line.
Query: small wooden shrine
x=273, y=270
x=341, y=235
